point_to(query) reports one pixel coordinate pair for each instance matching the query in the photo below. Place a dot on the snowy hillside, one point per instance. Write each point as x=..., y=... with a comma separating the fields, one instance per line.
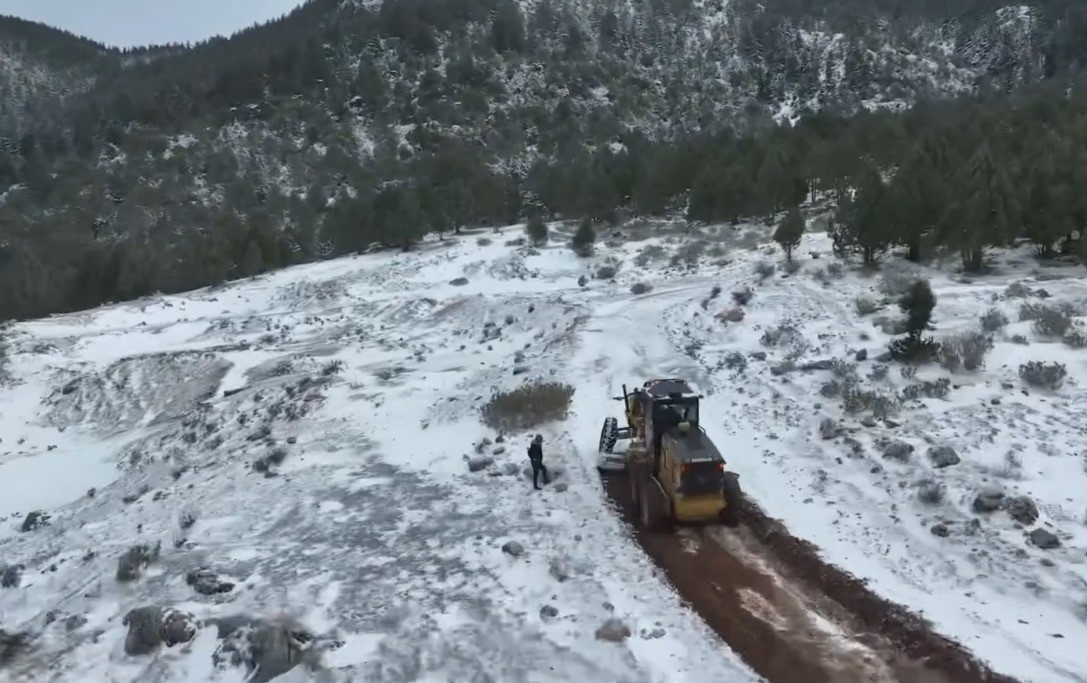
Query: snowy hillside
x=305, y=449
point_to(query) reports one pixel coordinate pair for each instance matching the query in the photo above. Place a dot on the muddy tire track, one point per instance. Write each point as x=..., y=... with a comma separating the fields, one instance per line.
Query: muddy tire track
x=790, y=616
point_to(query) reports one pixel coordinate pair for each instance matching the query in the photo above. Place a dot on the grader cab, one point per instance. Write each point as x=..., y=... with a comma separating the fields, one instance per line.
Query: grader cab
x=676, y=472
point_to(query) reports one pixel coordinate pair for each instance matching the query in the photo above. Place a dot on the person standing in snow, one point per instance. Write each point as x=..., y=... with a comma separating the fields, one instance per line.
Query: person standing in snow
x=535, y=456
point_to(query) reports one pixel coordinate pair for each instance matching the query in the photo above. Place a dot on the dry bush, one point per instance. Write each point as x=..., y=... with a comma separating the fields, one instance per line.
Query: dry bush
x=897, y=281
x=931, y=492
x=764, y=269
x=527, y=406
x=856, y=399
x=1049, y=321
x=966, y=350
x=1042, y=375
x=689, y=253
x=641, y=288
x=791, y=267
x=651, y=252
x=1017, y=290
x=1076, y=338
x=993, y=319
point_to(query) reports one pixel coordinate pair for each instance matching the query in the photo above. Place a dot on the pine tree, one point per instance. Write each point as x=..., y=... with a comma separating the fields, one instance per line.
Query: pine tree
x=790, y=231
x=584, y=238
x=536, y=230
x=862, y=223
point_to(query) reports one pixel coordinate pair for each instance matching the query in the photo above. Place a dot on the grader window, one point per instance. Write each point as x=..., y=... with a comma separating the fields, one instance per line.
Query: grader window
x=701, y=477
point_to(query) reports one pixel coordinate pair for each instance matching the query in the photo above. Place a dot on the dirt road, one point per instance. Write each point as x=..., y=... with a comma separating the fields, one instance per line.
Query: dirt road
x=789, y=615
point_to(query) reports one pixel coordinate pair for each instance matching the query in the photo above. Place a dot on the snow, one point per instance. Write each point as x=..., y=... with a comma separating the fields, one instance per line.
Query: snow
x=373, y=530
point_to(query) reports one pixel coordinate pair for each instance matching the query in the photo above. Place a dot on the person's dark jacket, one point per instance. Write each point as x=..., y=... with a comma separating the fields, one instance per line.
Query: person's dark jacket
x=535, y=452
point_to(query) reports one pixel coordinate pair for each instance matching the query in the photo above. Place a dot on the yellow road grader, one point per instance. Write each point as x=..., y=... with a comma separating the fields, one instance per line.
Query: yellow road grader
x=676, y=472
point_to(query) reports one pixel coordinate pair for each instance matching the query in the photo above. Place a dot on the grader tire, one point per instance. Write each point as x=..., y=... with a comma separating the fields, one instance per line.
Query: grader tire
x=609, y=434
x=733, y=497
x=652, y=507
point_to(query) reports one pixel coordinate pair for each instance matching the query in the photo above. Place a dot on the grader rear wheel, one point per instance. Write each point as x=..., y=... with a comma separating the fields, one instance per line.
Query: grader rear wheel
x=733, y=497
x=652, y=506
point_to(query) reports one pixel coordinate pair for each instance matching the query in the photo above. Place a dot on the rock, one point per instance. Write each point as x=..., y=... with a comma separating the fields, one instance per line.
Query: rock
x=498, y=450
x=34, y=520
x=207, y=582
x=988, y=500
x=1022, y=509
x=70, y=387
x=548, y=612
x=1044, y=539
x=582, y=281
x=135, y=560
x=823, y=364
x=656, y=633
x=500, y=439
x=266, y=649
x=513, y=549
x=459, y=282
x=827, y=429
x=520, y=369
x=11, y=576
x=12, y=645
x=758, y=355
x=943, y=456
x=613, y=630
x=74, y=622
x=782, y=368
x=151, y=626
x=559, y=487
x=559, y=568
x=898, y=450
x=732, y=315
x=480, y=463
x=869, y=421
x=940, y=530
x=862, y=355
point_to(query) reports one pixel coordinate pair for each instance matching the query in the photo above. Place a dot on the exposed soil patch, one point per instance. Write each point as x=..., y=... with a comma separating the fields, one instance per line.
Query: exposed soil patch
x=789, y=615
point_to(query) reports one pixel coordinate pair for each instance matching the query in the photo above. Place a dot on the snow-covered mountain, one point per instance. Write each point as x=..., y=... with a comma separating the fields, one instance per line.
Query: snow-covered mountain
x=293, y=471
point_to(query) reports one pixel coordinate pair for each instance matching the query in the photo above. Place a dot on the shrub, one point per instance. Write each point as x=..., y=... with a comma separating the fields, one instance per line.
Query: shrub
x=689, y=253
x=968, y=350
x=865, y=306
x=1043, y=375
x=930, y=491
x=333, y=367
x=740, y=296
x=856, y=399
x=993, y=319
x=584, y=238
x=640, y=288
x=775, y=335
x=527, y=406
x=484, y=241
x=536, y=230
x=791, y=267
x=1049, y=321
x=1017, y=290
x=896, y=281
x=652, y=252
x=835, y=271
x=917, y=303
x=1075, y=339
x=764, y=269
x=1019, y=339
x=605, y=273
x=789, y=232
